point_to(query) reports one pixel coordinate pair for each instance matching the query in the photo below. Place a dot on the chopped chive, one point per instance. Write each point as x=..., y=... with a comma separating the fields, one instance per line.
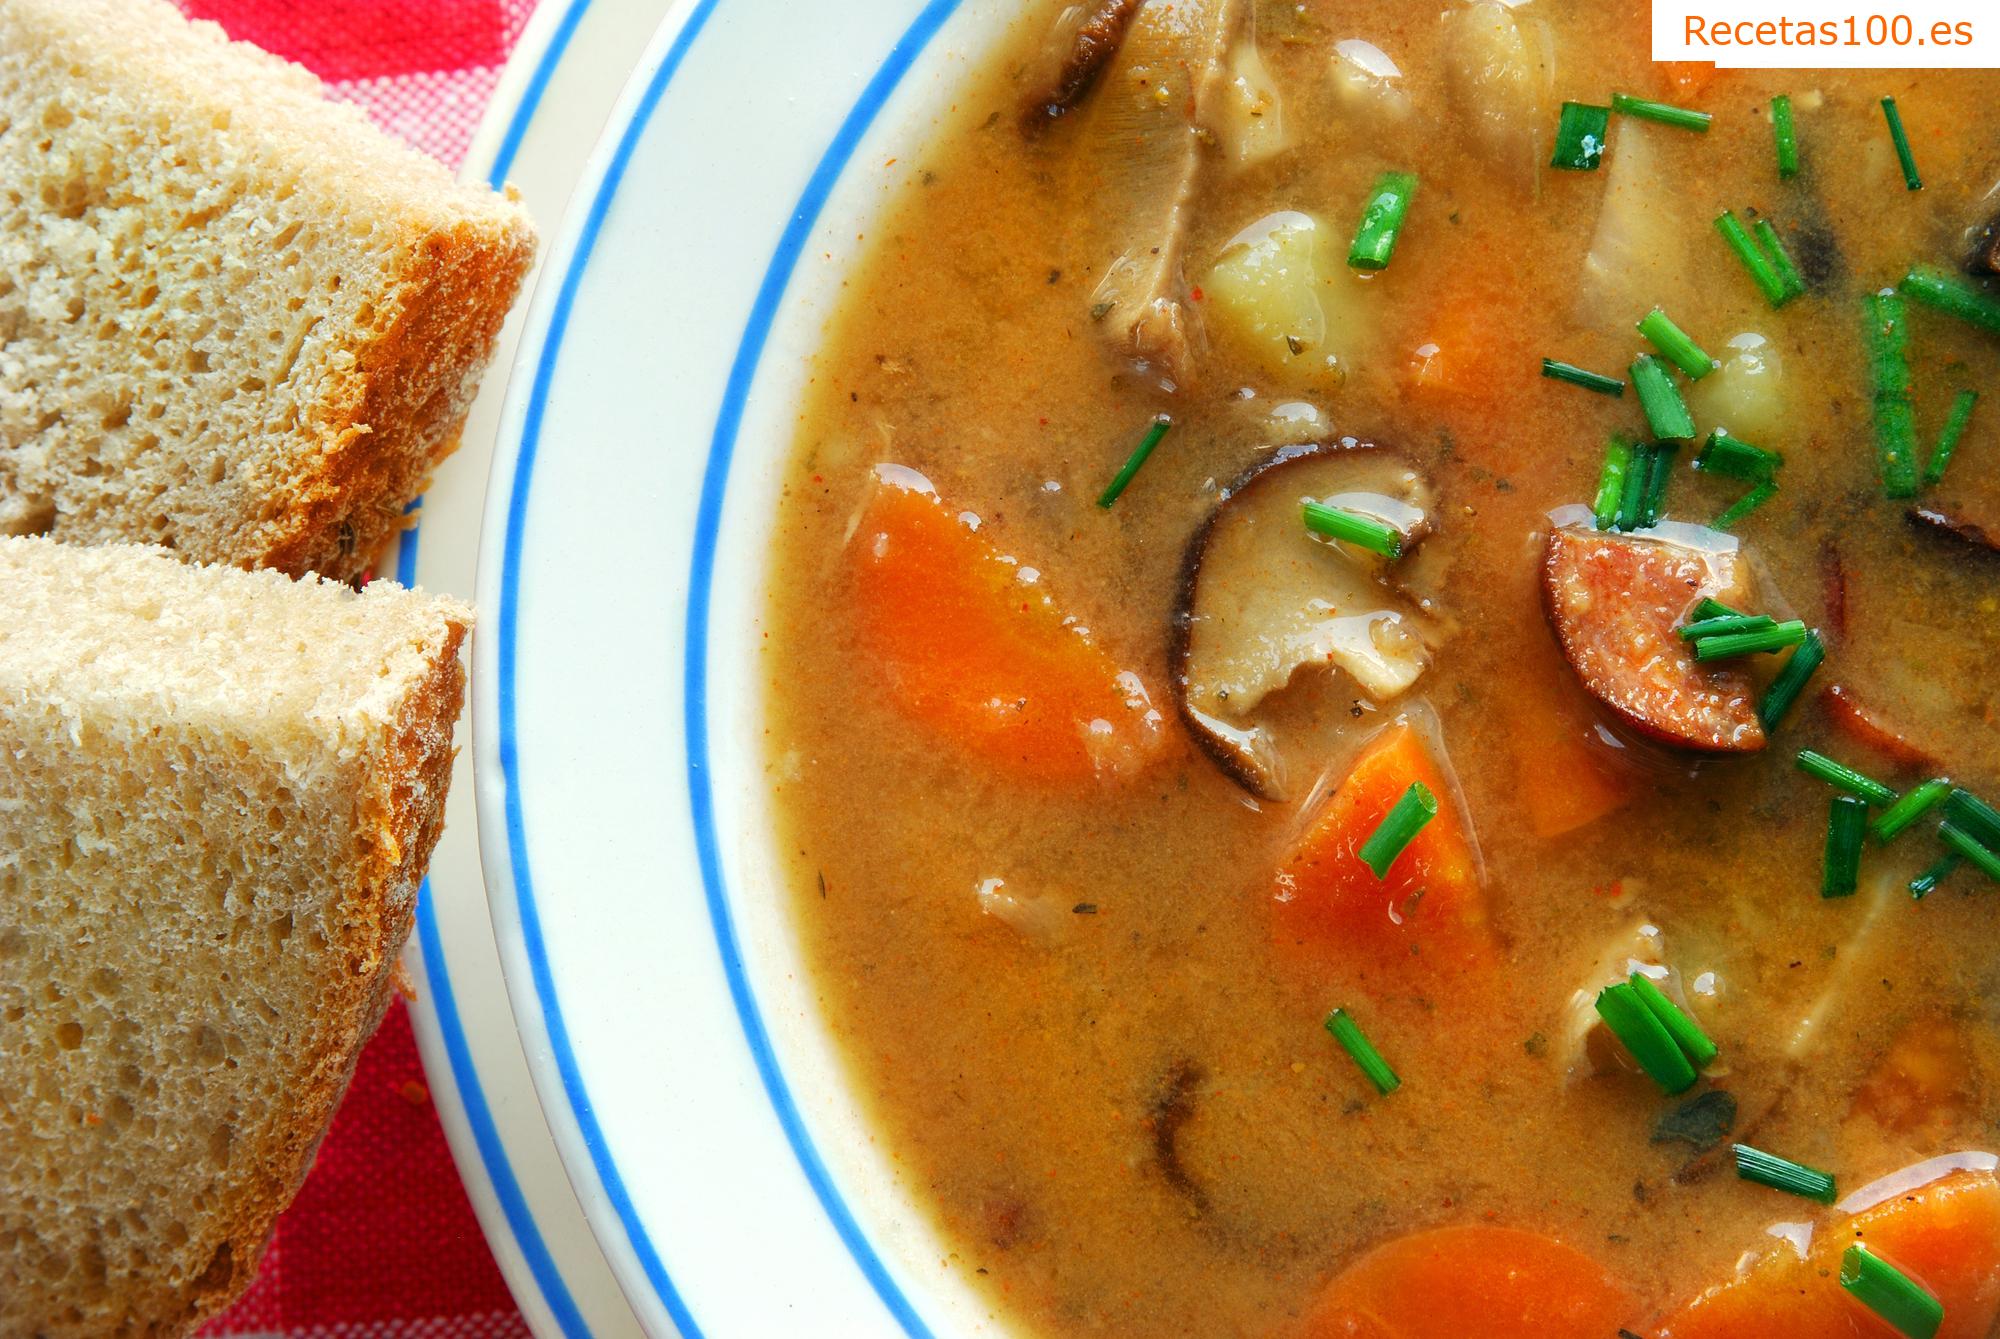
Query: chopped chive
x=1624, y=1011
x=1659, y=474
x=1382, y=220
x=1708, y=607
x=1581, y=134
x=1687, y=1033
x=1675, y=343
x=1638, y=478
x=1902, y=139
x=1134, y=461
x=1926, y=883
x=1791, y=680
x=1914, y=804
x=1348, y=1033
x=1781, y=259
x=1975, y=816
x=1895, y=419
x=1954, y=428
x=1842, y=777
x=1725, y=453
x=1969, y=846
x=1846, y=825
x=1794, y=1178
x=1663, y=112
x=1666, y=413
x=1578, y=376
x=1417, y=807
x=1787, y=136
x=1709, y=627
x=1732, y=644
x=1762, y=272
x=1954, y=297
x=1744, y=505
x=1353, y=528
x=1890, y=1293
x=1611, y=482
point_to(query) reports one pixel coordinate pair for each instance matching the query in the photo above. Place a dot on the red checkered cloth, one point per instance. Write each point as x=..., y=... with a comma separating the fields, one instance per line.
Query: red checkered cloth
x=381, y=1243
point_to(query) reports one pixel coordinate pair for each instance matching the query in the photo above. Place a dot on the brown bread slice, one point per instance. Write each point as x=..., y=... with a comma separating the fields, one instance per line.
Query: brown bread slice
x=218, y=793
x=235, y=318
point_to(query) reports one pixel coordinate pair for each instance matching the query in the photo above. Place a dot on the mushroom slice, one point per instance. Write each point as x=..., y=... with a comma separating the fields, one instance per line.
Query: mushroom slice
x=1955, y=525
x=1262, y=597
x=1615, y=602
x=1084, y=41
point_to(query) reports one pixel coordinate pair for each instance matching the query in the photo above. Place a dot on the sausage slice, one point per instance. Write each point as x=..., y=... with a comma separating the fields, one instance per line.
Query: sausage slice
x=1614, y=602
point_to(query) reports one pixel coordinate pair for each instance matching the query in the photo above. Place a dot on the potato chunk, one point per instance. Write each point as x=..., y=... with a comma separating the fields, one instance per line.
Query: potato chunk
x=1279, y=291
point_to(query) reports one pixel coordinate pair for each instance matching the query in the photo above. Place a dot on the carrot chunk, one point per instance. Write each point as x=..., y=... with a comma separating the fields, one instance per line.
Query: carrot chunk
x=973, y=647
x=1562, y=779
x=1946, y=1236
x=1429, y=904
x=1456, y=1282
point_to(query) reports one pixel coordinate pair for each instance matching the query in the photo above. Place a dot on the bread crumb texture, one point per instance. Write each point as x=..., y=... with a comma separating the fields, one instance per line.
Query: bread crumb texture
x=236, y=320
x=218, y=793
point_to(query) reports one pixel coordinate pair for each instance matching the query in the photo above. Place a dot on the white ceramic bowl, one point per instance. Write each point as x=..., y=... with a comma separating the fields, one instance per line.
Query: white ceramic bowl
x=624, y=822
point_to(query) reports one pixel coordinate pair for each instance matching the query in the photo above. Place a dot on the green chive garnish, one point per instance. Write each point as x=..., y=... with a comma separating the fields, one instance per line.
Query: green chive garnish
x=1417, y=807
x=1890, y=1293
x=1787, y=136
x=1663, y=112
x=1895, y=418
x=1578, y=376
x=1666, y=413
x=1781, y=259
x=1724, y=453
x=1969, y=846
x=1674, y=342
x=1902, y=139
x=1348, y=1034
x=1953, y=296
x=1708, y=607
x=1353, y=528
x=1581, y=134
x=1687, y=1033
x=1611, y=482
x=1914, y=804
x=1975, y=816
x=1842, y=777
x=1926, y=883
x=1762, y=272
x=1709, y=627
x=1382, y=220
x=1954, y=428
x=1791, y=680
x=1794, y=1178
x=1135, y=460
x=1846, y=825
x=1638, y=478
x=1729, y=645
x=1744, y=505
x=1659, y=473
x=1624, y=1011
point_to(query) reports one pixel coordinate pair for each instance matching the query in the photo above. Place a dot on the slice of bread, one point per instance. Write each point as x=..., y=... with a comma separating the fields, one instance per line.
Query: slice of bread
x=218, y=793
x=235, y=318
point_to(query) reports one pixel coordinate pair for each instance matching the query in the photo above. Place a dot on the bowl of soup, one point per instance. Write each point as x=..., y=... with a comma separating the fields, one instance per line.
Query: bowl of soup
x=1260, y=669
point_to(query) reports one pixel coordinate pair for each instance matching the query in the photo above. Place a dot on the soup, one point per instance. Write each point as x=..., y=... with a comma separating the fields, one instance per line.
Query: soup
x=1080, y=762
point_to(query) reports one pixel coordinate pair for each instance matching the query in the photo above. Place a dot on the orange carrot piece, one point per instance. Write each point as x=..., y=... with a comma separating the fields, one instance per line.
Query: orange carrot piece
x=1946, y=1236
x=1561, y=778
x=1920, y=1081
x=1430, y=903
x=1459, y=1282
x=972, y=646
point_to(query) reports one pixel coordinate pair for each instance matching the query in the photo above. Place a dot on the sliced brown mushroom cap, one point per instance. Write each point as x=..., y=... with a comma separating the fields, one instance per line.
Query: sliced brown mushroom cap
x=1615, y=601
x=1954, y=524
x=1262, y=597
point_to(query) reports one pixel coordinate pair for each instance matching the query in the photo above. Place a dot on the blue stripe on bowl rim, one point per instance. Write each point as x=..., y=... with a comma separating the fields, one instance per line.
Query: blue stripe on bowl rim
x=472, y=1097
x=777, y=276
